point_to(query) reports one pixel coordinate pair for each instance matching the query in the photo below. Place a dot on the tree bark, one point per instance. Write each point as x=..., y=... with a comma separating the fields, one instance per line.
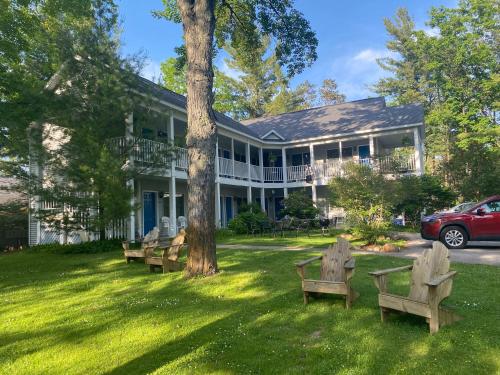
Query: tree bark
x=198, y=21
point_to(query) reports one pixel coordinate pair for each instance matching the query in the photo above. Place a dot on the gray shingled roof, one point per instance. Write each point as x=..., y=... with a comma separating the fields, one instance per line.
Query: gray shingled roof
x=350, y=117
x=169, y=96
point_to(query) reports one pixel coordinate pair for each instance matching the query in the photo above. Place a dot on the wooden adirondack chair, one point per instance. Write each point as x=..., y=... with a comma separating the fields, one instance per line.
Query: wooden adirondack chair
x=337, y=270
x=431, y=282
x=169, y=259
x=149, y=243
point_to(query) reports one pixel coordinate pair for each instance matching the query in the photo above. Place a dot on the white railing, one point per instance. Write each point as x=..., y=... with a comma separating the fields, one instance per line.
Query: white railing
x=240, y=169
x=181, y=158
x=225, y=167
x=273, y=174
x=297, y=173
x=394, y=164
x=328, y=169
x=255, y=174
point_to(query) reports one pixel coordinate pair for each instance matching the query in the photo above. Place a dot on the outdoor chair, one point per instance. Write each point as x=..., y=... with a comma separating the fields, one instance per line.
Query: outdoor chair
x=431, y=283
x=148, y=244
x=337, y=270
x=169, y=259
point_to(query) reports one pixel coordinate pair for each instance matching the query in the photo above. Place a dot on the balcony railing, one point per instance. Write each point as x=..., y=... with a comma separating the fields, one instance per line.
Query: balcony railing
x=255, y=173
x=181, y=158
x=149, y=152
x=273, y=174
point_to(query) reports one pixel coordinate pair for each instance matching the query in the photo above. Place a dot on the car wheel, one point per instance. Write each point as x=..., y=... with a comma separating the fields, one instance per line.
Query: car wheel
x=454, y=237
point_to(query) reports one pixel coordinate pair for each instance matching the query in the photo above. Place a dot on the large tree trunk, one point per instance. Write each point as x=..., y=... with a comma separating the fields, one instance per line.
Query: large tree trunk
x=199, y=22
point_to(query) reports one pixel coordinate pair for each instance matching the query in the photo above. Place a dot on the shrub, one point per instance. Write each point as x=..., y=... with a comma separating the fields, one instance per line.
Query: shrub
x=250, y=218
x=298, y=204
x=91, y=247
x=419, y=193
x=367, y=197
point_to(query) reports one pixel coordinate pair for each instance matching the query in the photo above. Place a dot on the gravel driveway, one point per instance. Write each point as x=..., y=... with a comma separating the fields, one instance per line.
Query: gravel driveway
x=474, y=253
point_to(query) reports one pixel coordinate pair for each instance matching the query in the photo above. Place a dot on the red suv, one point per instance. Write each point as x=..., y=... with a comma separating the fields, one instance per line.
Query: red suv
x=481, y=222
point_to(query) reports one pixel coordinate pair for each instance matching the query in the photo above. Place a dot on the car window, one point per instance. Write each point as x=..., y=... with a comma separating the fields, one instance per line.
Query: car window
x=493, y=206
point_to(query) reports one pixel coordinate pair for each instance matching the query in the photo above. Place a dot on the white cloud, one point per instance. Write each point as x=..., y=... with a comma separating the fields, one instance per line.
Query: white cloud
x=151, y=70
x=356, y=72
x=370, y=55
x=233, y=73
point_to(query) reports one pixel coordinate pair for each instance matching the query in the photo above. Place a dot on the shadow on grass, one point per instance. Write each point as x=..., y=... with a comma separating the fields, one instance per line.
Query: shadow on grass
x=247, y=319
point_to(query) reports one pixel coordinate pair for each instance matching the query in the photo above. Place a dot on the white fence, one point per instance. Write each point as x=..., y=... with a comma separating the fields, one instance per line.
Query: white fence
x=273, y=174
x=181, y=158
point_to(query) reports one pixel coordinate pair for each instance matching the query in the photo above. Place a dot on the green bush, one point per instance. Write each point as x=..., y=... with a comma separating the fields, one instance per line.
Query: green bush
x=249, y=219
x=419, y=193
x=368, y=199
x=91, y=247
x=300, y=205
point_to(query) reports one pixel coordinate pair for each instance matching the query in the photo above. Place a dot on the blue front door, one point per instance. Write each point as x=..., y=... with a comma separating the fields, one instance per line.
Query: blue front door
x=149, y=207
x=364, y=152
x=229, y=209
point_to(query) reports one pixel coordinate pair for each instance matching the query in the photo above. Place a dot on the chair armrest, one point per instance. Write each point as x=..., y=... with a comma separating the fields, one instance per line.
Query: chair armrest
x=350, y=264
x=306, y=262
x=438, y=280
x=390, y=270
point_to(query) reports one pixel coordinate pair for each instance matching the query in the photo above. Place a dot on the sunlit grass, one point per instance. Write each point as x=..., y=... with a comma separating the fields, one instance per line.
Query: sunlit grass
x=315, y=239
x=88, y=314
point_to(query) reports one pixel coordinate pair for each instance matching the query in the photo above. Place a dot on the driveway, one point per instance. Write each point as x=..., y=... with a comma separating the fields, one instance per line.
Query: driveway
x=475, y=252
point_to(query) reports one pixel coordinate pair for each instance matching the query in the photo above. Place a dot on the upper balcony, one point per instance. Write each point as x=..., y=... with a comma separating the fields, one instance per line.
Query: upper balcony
x=242, y=164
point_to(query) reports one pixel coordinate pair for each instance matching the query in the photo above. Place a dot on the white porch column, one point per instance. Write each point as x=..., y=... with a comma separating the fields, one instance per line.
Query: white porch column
x=340, y=159
x=262, y=199
x=285, y=175
x=419, y=157
x=311, y=154
x=232, y=155
x=372, y=146
x=313, y=186
x=249, y=194
x=129, y=132
x=217, y=187
x=248, y=163
x=216, y=159
x=261, y=164
x=172, y=188
x=218, y=221
x=172, y=204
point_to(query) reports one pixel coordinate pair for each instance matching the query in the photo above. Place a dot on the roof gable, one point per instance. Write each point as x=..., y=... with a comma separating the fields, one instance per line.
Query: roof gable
x=273, y=135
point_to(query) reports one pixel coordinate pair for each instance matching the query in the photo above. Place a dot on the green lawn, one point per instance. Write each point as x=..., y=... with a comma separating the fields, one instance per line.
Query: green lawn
x=315, y=239
x=88, y=314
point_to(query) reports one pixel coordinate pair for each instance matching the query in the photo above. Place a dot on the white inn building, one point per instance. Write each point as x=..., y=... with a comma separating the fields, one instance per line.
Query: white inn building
x=262, y=160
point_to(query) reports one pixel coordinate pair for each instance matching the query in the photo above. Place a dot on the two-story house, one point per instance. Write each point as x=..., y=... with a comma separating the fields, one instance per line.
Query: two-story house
x=262, y=160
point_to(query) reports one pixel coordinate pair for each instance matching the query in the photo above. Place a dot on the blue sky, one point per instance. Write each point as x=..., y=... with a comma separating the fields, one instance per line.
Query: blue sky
x=351, y=36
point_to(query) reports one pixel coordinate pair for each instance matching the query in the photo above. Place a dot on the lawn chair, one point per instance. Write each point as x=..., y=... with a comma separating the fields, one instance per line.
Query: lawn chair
x=148, y=244
x=169, y=259
x=431, y=283
x=337, y=270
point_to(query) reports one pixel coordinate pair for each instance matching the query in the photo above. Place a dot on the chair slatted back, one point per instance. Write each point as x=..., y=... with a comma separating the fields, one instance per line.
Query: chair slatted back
x=432, y=263
x=151, y=238
x=173, y=252
x=333, y=261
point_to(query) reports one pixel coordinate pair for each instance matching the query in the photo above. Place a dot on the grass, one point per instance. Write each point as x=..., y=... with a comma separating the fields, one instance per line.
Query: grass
x=315, y=239
x=89, y=314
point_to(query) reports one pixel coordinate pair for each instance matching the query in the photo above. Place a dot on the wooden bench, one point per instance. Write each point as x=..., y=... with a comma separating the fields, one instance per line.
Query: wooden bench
x=431, y=283
x=169, y=259
x=337, y=270
x=149, y=243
